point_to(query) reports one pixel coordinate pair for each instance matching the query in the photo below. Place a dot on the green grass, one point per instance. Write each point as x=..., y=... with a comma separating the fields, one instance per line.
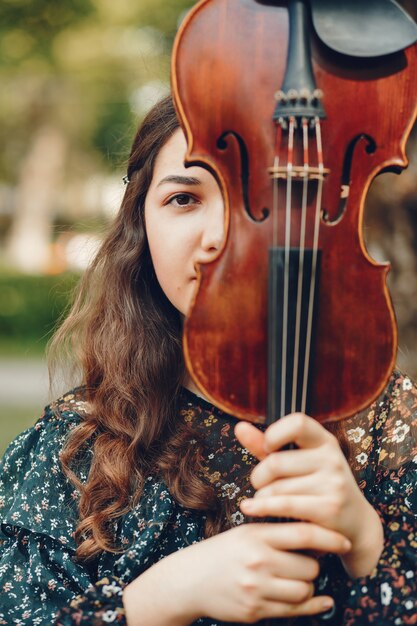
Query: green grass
x=13, y=420
x=30, y=309
x=30, y=348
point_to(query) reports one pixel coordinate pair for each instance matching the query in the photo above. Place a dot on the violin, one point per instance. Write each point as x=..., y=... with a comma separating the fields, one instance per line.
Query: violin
x=294, y=106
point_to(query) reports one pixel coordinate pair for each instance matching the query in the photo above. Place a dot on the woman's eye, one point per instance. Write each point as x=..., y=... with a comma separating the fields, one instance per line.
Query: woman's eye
x=182, y=199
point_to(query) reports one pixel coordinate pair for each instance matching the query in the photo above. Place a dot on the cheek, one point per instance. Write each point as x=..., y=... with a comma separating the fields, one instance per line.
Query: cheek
x=162, y=253
x=171, y=257
x=171, y=273
x=168, y=269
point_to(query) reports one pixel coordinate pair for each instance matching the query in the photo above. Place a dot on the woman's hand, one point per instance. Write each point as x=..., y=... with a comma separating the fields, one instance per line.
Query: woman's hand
x=312, y=483
x=248, y=573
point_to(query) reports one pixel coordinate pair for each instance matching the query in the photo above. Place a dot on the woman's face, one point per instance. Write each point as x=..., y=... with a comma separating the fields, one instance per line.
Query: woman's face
x=184, y=217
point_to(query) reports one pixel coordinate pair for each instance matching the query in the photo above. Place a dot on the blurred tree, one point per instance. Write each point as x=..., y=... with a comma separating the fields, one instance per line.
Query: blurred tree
x=73, y=78
x=30, y=120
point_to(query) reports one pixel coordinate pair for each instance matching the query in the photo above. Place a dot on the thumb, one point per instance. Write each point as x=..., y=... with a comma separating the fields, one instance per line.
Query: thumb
x=251, y=438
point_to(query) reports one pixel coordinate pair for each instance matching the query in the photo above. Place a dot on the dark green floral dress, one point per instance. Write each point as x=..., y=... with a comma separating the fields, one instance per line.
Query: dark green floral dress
x=41, y=583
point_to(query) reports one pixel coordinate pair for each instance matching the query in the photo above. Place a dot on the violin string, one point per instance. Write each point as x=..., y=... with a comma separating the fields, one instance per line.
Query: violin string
x=300, y=267
x=273, y=313
x=314, y=261
x=276, y=180
x=287, y=262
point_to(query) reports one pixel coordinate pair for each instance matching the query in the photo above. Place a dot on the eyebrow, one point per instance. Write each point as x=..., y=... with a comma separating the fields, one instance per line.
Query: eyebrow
x=180, y=180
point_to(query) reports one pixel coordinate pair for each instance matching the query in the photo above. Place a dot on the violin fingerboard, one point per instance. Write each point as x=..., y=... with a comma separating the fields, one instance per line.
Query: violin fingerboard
x=294, y=276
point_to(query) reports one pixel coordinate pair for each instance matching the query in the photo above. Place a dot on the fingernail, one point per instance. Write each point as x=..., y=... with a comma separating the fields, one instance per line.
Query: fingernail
x=248, y=505
x=347, y=545
x=327, y=604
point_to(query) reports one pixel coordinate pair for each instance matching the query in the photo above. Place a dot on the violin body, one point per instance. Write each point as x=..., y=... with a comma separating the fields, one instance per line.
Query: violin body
x=229, y=60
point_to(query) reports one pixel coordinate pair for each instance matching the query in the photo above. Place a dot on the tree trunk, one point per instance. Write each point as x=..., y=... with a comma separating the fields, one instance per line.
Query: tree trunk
x=27, y=247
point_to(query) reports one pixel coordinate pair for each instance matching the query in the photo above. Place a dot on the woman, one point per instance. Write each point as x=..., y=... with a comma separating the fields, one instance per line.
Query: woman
x=106, y=500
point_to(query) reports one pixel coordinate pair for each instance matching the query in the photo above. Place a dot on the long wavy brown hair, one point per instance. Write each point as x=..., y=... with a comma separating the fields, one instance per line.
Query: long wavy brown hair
x=125, y=337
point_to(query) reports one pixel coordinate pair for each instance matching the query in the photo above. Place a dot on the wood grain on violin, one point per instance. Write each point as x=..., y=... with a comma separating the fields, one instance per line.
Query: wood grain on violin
x=293, y=314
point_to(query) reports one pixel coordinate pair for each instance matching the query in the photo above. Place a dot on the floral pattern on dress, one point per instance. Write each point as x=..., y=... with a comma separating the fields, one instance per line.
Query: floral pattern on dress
x=106, y=596
x=41, y=582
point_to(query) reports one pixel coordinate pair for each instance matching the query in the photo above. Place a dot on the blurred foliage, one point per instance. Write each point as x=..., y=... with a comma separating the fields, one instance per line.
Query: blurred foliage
x=30, y=307
x=28, y=28
x=79, y=64
x=164, y=15
x=90, y=68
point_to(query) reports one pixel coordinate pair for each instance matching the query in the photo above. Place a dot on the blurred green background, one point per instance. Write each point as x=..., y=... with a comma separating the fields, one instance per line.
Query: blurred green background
x=76, y=78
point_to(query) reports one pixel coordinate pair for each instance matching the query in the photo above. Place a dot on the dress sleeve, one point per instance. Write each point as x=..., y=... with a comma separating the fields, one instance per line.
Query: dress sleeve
x=39, y=574
x=101, y=604
x=388, y=596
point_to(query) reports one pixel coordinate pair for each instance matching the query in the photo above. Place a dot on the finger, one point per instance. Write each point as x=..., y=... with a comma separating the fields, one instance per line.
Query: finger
x=296, y=428
x=303, y=485
x=318, y=604
x=307, y=508
x=284, y=464
x=303, y=536
x=293, y=565
x=288, y=591
x=251, y=438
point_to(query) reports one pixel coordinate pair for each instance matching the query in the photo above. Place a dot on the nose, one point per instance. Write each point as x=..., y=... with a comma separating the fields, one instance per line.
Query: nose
x=213, y=232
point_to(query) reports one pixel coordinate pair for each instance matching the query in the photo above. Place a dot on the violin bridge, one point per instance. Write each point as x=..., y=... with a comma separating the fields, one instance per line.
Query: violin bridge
x=298, y=172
